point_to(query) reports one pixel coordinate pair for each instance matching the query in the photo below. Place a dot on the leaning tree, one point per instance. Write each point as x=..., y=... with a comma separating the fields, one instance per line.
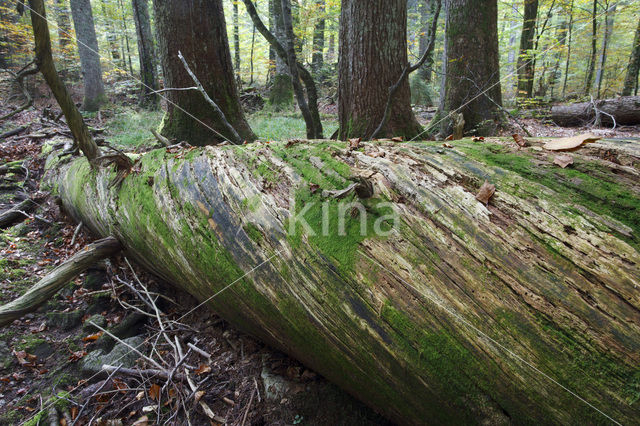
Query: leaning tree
x=205, y=47
x=373, y=55
x=471, y=83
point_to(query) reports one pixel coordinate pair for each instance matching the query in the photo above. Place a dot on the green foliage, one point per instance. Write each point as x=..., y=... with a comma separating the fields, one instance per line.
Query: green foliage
x=282, y=127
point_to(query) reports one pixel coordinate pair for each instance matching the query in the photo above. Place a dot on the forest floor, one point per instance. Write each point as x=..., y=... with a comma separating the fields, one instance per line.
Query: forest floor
x=51, y=357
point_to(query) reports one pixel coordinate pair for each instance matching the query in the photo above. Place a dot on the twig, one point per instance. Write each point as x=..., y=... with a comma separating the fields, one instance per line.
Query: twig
x=235, y=137
x=111, y=374
x=117, y=339
x=75, y=234
x=246, y=411
x=198, y=350
x=144, y=373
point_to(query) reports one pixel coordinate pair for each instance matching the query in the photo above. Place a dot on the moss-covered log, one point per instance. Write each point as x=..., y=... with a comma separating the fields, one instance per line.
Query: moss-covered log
x=462, y=313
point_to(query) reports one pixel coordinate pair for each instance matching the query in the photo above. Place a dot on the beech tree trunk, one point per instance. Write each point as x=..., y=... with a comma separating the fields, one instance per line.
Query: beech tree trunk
x=427, y=11
x=625, y=110
x=592, y=58
x=189, y=117
x=453, y=313
x=471, y=82
x=608, y=30
x=372, y=56
x=281, y=95
x=94, y=95
x=631, y=80
x=146, y=53
x=525, y=65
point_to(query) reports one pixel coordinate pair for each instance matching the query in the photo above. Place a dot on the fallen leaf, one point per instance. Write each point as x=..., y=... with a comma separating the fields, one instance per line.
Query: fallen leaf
x=486, y=192
x=522, y=142
x=154, y=392
x=25, y=359
x=198, y=396
x=77, y=356
x=203, y=369
x=563, y=161
x=447, y=145
x=92, y=337
x=313, y=187
x=573, y=142
x=477, y=139
x=74, y=412
x=354, y=144
x=449, y=138
x=397, y=139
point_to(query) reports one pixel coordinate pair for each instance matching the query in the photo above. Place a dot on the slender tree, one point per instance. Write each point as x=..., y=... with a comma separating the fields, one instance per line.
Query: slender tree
x=236, y=41
x=526, y=67
x=471, y=84
x=189, y=116
x=44, y=61
x=610, y=15
x=427, y=11
x=63, y=21
x=372, y=57
x=318, y=39
x=592, y=58
x=94, y=95
x=631, y=80
x=146, y=53
x=125, y=32
x=570, y=37
x=112, y=38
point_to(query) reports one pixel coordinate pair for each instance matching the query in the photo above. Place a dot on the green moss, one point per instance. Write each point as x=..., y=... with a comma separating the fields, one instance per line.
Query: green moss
x=29, y=342
x=585, y=183
x=253, y=232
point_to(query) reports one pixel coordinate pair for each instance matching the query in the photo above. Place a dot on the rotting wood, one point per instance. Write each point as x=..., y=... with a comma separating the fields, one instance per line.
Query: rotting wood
x=462, y=312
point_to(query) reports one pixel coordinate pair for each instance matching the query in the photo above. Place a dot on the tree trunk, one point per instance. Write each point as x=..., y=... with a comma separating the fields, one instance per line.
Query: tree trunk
x=592, y=58
x=439, y=309
x=44, y=60
x=373, y=54
x=317, y=58
x=236, y=41
x=526, y=69
x=125, y=32
x=625, y=110
x=566, y=67
x=631, y=80
x=281, y=95
x=146, y=54
x=427, y=11
x=94, y=95
x=471, y=83
x=189, y=117
x=610, y=15
x=64, y=27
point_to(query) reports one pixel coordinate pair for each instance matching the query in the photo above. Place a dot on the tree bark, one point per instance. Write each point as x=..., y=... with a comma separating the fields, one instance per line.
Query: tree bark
x=16, y=213
x=59, y=277
x=625, y=110
x=281, y=94
x=236, y=41
x=189, y=116
x=372, y=56
x=459, y=314
x=566, y=67
x=112, y=37
x=631, y=80
x=146, y=54
x=44, y=60
x=525, y=65
x=125, y=33
x=471, y=83
x=94, y=95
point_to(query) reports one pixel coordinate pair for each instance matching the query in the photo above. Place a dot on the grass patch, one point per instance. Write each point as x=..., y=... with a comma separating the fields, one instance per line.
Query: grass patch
x=130, y=128
x=279, y=127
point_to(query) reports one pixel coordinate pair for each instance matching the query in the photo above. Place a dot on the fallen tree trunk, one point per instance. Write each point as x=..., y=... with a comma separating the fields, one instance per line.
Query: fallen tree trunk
x=450, y=312
x=60, y=276
x=625, y=110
